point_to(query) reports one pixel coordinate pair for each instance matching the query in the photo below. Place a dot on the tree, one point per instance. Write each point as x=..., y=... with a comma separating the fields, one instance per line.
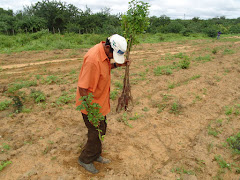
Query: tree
x=56, y=14
x=134, y=22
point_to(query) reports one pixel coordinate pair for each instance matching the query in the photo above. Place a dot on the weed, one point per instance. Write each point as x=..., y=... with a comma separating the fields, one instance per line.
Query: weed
x=46, y=150
x=161, y=107
x=113, y=94
x=228, y=110
x=73, y=72
x=182, y=171
x=4, y=147
x=234, y=143
x=210, y=147
x=3, y=164
x=145, y=109
x=38, y=96
x=206, y=58
x=195, y=77
x=214, y=51
x=171, y=86
x=53, y=158
x=228, y=51
x=222, y=163
x=119, y=85
x=125, y=120
x=213, y=131
x=163, y=70
x=38, y=77
x=65, y=99
x=175, y=108
x=51, y=79
x=185, y=63
x=135, y=117
x=5, y=104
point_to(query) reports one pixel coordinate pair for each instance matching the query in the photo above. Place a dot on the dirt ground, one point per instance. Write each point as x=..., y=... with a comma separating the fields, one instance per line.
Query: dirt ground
x=177, y=126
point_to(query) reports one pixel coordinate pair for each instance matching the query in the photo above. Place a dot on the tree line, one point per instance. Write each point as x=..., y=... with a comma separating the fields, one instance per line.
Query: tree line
x=60, y=17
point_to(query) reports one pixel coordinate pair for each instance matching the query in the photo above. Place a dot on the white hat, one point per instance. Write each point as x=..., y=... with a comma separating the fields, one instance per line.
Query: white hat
x=119, y=45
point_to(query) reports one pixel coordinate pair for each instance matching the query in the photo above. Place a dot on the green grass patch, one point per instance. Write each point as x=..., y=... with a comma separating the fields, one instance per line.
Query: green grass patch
x=43, y=40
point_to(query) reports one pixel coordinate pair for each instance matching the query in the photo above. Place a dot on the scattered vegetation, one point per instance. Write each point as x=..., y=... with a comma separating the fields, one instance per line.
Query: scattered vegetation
x=5, y=104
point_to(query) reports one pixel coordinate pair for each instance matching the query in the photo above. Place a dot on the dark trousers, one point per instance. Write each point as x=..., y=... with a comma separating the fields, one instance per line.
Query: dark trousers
x=93, y=148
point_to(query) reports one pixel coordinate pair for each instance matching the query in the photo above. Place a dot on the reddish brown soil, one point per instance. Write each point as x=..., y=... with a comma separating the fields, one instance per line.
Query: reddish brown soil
x=163, y=142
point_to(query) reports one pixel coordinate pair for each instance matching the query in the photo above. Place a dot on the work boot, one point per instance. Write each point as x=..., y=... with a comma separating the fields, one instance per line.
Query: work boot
x=89, y=167
x=102, y=160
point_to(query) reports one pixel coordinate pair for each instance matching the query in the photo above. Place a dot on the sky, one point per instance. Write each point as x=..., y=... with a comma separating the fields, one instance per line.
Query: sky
x=175, y=9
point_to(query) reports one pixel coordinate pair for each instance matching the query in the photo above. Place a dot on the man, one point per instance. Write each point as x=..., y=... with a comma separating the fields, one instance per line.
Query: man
x=218, y=35
x=95, y=78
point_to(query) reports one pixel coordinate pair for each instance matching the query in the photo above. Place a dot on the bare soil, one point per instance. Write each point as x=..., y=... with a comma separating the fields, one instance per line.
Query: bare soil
x=168, y=133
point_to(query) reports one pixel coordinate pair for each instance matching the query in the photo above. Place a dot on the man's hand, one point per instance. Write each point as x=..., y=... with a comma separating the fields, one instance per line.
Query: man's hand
x=127, y=62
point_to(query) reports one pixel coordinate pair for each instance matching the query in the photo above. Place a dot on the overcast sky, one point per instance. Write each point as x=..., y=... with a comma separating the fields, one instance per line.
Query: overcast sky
x=172, y=8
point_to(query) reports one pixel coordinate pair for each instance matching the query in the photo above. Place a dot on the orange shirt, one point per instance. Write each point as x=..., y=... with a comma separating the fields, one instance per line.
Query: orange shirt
x=95, y=76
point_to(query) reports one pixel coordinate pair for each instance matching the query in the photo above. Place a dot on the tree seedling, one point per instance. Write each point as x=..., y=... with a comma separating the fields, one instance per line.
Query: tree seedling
x=94, y=115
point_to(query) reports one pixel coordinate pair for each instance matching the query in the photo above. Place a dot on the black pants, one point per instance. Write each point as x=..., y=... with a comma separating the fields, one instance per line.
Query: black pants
x=93, y=148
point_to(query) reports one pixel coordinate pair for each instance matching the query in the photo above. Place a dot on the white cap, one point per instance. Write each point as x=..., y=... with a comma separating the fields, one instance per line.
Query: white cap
x=119, y=45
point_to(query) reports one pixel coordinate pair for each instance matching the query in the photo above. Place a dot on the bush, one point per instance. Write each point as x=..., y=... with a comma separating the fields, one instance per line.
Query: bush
x=173, y=27
x=235, y=29
x=211, y=32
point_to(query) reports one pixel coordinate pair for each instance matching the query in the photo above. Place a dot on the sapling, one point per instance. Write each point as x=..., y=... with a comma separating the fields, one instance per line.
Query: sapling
x=93, y=109
x=134, y=22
